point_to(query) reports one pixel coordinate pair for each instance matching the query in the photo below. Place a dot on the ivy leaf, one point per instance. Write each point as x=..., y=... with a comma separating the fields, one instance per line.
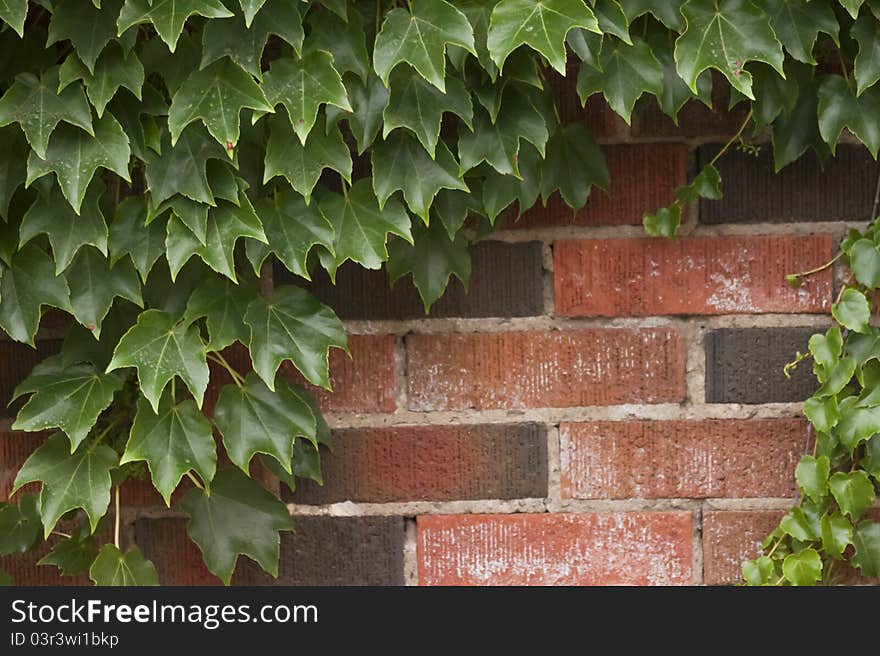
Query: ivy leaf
x=852, y=6
x=853, y=492
x=38, y=108
x=803, y=567
x=70, y=481
x=13, y=13
x=867, y=63
x=838, y=378
x=432, y=259
x=867, y=543
x=852, y=311
x=303, y=85
x=306, y=463
x=72, y=555
x=74, y=156
x=19, y=525
x=94, y=284
x=113, y=568
x=400, y=162
x=759, y=571
x=129, y=236
x=293, y=229
x=627, y=71
x=499, y=191
x=865, y=262
x=837, y=533
x=342, y=38
x=797, y=24
x=419, y=106
x=452, y=207
x=181, y=169
x=800, y=525
x=239, y=517
x=812, y=476
x=574, y=164
x=420, y=39
x=114, y=69
x=13, y=168
x=167, y=16
x=822, y=412
x=857, y=424
x=839, y=108
x=223, y=304
x=871, y=462
x=706, y=184
x=25, y=287
x=587, y=46
x=612, y=19
x=368, y=100
x=69, y=398
x=88, y=28
x=664, y=222
x=138, y=118
x=216, y=95
x=160, y=349
x=826, y=348
x=675, y=91
x=253, y=419
x=666, y=12
x=542, y=25
x=724, y=35
x=795, y=132
x=173, y=441
x=293, y=325
x=300, y=164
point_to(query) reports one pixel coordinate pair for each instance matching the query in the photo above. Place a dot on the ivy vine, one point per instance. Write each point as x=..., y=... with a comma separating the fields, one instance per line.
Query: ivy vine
x=158, y=156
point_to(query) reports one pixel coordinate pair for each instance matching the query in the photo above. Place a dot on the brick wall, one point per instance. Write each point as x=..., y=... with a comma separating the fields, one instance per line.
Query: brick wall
x=599, y=408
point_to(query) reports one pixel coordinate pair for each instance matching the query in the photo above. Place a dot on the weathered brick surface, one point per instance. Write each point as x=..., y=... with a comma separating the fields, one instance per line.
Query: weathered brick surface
x=737, y=458
x=729, y=538
x=434, y=463
x=545, y=369
x=802, y=191
x=636, y=548
x=697, y=275
x=16, y=362
x=643, y=178
x=745, y=365
x=506, y=281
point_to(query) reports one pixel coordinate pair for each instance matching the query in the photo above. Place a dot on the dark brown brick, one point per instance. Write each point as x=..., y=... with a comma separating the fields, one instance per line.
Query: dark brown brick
x=802, y=191
x=433, y=463
x=16, y=362
x=506, y=281
x=745, y=365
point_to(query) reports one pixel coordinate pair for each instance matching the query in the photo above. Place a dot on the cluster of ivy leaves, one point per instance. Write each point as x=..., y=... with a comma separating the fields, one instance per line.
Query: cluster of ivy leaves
x=156, y=156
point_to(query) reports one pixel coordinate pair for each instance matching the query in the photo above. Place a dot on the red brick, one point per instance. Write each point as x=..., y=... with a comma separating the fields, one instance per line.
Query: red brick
x=731, y=537
x=643, y=178
x=545, y=369
x=697, y=275
x=680, y=459
x=638, y=548
x=436, y=463
x=695, y=120
x=597, y=115
x=178, y=559
x=15, y=448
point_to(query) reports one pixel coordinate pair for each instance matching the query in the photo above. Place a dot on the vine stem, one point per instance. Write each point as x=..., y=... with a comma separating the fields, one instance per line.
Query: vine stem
x=219, y=359
x=117, y=521
x=195, y=481
x=62, y=534
x=818, y=269
x=733, y=139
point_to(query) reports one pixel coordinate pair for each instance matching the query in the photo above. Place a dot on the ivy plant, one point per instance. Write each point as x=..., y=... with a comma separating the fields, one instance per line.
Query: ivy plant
x=160, y=157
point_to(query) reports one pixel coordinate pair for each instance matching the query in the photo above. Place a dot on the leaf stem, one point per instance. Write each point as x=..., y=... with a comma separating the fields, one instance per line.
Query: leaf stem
x=116, y=518
x=818, y=269
x=195, y=481
x=219, y=359
x=62, y=534
x=733, y=139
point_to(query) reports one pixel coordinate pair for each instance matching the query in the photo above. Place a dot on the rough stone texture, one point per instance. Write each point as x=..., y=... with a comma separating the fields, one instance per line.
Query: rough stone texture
x=729, y=538
x=636, y=548
x=745, y=365
x=506, y=281
x=696, y=275
x=545, y=369
x=802, y=191
x=431, y=463
x=15, y=447
x=680, y=459
x=643, y=178
x=16, y=362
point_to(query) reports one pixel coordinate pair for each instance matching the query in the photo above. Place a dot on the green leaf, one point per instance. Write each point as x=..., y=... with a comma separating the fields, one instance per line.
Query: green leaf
x=293, y=230
x=70, y=481
x=160, y=349
x=664, y=222
x=401, y=163
x=839, y=108
x=758, y=572
x=88, y=28
x=627, y=71
x=822, y=412
x=800, y=525
x=826, y=348
x=866, y=31
x=138, y=118
x=25, y=287
x=303, y=85
x=72, y=555
x=368, y=101
x=300, y=164
x=215, y=96
x=542, y=25
x=478, y=13
x=223, y=304
x=706, y=184
x=452, y=207
x=94, y=284
x=724, y=35
x=853, y=492
x=113, y=568
x=838, y=378
x=837, y=533
x=253, y=419
x=239, y=517
x=420, y=39
x=803, y=567
x=115, y=69
x=13, y=167
x=795, y=132
x=70, y=398
x=666, y=12
x=173, y=442
x=812, y=476
x=344, y=39
x=19, y=524
x=432, y=259
x=867, y=543
x=852, y=6
x=871, y=462
x=857, y=424
x=130, y=237
x=587, y=46
x=419, y=106
x=293, y=325
x=13, y=12
x=675, y=91
x=797, y=24
x=38, y=108
x=499, y=191
x=612, y=19
x=167, y=16
x=864, y=260
x=852, y=311
x=361, y=226
x=181, y=169
x=573, y=165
